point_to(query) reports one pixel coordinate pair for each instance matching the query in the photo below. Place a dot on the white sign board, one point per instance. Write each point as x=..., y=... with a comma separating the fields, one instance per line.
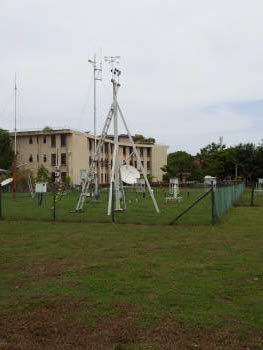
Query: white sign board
x=174, y=181
x=41, y=187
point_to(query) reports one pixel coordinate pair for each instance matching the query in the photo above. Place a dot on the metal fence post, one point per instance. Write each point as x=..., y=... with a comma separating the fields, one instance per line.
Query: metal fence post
x=252, y=197
x=0, y=201
x=54, y=203
x=213, y=204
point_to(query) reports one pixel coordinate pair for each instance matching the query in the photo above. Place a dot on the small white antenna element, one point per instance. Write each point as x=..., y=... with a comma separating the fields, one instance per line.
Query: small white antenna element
x=113, y=61
x=6, y=182
x=97, y=76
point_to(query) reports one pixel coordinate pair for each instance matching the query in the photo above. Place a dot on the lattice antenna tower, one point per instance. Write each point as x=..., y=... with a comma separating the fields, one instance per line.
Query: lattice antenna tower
x=116, y=186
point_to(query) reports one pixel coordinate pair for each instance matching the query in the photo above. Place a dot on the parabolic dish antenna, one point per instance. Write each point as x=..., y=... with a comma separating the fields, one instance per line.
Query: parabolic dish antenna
x=129, y=174
x=7, y=181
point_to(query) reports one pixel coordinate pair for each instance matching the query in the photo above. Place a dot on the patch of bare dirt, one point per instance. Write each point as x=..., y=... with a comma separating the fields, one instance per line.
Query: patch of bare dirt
x=54, y=326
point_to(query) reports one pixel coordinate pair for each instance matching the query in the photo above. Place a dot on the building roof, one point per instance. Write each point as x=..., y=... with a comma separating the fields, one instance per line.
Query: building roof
x=72, y=131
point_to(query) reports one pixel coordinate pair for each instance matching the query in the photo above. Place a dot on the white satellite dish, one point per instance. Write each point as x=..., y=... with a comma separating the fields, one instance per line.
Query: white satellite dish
x=129, y=174
x=7, y=181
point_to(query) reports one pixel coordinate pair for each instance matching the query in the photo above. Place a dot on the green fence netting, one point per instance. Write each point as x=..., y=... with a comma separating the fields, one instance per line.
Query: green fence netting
x=224, y=197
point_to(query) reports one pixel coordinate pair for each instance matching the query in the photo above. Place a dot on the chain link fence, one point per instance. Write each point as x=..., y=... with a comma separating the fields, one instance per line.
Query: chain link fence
x=59, y=204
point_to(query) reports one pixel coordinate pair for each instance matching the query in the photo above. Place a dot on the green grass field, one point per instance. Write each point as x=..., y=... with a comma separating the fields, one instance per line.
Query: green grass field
x=67, y=285
x=139, y=209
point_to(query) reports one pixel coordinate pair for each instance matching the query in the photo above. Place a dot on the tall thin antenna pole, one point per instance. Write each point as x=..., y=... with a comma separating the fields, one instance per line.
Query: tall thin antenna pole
x=96, y=76
x=15, y=110
x=15, y=155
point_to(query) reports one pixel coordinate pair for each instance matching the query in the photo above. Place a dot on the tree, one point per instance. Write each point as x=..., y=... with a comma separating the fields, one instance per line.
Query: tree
x=209, y=151
x=43, y=175
x=23, y=177
x=47, y=128
x=6, y=152
x=137, y=138
x=213, y=158
x=68, y=181
x=244, y=156
x=182, y=165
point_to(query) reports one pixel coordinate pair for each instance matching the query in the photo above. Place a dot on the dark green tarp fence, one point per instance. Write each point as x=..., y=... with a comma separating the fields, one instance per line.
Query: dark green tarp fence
x=223, y=197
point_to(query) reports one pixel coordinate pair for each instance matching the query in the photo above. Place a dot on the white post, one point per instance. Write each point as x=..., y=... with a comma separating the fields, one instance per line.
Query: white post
x=96, y=178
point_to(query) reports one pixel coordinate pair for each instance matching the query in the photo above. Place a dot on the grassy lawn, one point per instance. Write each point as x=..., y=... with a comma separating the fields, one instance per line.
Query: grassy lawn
x=139, y=209
x=113, y=286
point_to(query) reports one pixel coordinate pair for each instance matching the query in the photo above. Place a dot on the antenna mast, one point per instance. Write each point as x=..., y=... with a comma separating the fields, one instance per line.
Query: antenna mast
x=113, y=61
x=15, y=153
x=97, y=76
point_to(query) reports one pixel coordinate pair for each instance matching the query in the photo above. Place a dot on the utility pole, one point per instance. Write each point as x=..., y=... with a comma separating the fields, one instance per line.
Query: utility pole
x=96, y=77
x=15, y=153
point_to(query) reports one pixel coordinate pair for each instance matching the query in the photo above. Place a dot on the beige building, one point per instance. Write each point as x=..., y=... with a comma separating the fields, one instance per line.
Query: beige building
x=67, y=152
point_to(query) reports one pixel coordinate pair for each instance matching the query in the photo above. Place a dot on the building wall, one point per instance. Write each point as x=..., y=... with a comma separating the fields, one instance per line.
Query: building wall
x=77, y=155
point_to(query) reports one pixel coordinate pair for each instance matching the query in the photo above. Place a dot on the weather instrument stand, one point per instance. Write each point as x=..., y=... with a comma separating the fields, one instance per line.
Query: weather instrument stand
x=115, y=182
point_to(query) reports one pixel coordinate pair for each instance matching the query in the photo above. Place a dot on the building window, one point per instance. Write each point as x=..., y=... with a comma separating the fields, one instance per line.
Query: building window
x=53, y=159
x=101, y=178
x=37, y=158
x=106, y=178
x=90, y=160
x=63, y=176
x=30, y=158
x=141, y=152
x=63, y=140
x=44, y=158
x=53, y=177
x=44, y=139
x=142, y=162
x=135, y=164
x=130, y=162
x=124, y=151
x=102, y=149
x=90, y=145
x=148, y=165
x=106, y=163
x=30, y=140
x=148, y=152
x=53, y=140
x=101, y=163
x=111, y=148
x=131, y=150
x=37, y=139
x=63, y=159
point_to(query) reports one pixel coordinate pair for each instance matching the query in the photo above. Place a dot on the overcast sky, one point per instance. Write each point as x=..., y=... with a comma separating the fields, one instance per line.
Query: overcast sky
x=191, y=70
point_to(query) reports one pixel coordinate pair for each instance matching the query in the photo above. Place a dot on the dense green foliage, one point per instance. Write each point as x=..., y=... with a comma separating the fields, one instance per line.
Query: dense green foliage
x=43, y=175
x=23, y=178
x=47, y=128
x=142, y=139
x=181, y=164
x=6, y=153
x=241, y=161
